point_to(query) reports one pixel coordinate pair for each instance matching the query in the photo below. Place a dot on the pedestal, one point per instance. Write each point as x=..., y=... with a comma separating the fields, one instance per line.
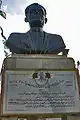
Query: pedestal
x=39, y=86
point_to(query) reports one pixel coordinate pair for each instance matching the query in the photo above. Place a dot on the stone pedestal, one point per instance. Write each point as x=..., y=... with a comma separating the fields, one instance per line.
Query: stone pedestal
x=71, y=117
x=39, y=62
x=32, y=68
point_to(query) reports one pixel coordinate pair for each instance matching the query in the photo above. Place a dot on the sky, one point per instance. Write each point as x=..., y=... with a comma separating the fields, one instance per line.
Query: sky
x=63, y=19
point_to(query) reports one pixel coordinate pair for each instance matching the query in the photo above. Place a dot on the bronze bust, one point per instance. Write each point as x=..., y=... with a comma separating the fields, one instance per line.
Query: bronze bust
x=35, y=40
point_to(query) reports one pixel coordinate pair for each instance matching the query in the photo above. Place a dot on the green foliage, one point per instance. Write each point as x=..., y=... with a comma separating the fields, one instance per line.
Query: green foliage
x=3, y=14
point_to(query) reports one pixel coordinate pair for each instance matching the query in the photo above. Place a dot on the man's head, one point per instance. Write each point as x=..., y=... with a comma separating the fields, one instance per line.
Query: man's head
x=35, y=15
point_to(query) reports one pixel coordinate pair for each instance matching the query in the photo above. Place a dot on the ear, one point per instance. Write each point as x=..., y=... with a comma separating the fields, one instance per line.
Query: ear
x=45, y=20
x=26, y=20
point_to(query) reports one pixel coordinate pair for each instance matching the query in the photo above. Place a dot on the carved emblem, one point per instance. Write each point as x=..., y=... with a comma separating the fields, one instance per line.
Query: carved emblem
x=41, y=77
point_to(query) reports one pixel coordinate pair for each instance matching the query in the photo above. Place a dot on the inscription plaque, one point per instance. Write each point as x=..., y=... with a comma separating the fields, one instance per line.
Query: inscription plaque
x=29, y=92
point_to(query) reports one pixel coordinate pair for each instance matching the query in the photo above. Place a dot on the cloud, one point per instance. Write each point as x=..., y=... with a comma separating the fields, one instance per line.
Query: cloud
x=14, y=6
x=17, y=6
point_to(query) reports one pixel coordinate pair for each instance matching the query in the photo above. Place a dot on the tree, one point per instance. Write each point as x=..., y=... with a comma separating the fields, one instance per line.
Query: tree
x=3, y=14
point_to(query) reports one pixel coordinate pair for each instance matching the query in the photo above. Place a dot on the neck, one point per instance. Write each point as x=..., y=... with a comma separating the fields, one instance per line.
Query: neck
x=37, y=29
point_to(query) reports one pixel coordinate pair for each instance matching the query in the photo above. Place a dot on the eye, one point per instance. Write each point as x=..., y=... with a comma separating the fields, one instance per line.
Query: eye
x=41, y=11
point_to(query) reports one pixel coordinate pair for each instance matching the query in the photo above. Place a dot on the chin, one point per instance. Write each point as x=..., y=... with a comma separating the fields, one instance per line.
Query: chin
x=36, y=23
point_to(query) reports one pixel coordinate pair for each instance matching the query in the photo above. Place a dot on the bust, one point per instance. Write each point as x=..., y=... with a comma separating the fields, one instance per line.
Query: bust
x=35, y=40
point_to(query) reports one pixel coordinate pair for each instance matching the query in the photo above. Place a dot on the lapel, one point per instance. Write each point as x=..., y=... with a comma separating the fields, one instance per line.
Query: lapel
x=36, y=42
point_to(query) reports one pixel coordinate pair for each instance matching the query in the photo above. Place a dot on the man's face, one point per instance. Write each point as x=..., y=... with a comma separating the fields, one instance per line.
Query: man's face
x=36, y=16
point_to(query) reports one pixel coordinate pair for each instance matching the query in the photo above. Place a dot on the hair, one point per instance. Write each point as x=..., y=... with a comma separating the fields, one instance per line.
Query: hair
x=34, y=4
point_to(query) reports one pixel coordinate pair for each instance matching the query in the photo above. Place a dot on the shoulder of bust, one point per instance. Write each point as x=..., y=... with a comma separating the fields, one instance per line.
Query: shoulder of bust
x=16, y=34
x=53, y=35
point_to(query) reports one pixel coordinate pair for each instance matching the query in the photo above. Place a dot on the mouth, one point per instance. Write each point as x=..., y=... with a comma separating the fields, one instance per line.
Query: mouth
x=36, y=23
x=36, y=19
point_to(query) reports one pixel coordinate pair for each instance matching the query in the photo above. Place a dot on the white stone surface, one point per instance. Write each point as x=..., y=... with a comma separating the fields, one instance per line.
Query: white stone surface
x=73, y=117
x=23, y=94
x=39, y=62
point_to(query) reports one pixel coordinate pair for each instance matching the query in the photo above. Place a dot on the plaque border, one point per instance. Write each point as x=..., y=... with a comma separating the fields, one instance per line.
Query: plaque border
x=41, y=115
